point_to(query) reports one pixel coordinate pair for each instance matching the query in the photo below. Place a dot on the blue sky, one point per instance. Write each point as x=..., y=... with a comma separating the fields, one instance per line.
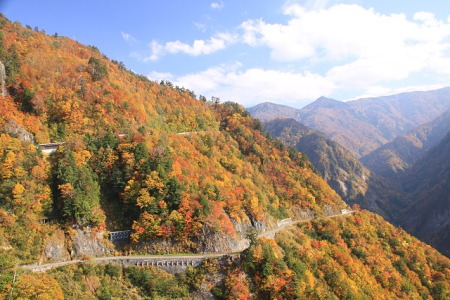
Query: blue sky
x=287, y=52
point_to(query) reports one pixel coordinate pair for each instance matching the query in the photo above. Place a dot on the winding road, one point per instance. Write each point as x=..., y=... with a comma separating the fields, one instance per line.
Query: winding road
x=168, y=261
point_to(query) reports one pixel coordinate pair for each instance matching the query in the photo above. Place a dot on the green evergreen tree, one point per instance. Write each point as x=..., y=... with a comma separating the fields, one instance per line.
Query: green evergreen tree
x=97, y=69
x=78, y=192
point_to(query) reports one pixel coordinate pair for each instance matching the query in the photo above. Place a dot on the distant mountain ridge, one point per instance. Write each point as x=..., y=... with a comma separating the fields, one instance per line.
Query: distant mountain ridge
x=363, y=125
x=402, y=152
x=268, y=111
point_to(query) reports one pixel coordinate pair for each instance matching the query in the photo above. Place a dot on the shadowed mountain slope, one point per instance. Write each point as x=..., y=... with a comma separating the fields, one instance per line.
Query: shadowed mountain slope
x=428, y=183
x=401, y=153
x=418, y=199
x=342, y=171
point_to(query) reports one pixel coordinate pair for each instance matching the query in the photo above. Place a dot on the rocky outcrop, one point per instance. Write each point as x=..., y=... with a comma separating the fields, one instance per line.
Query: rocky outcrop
x=86, y=243
x=220, y=242
x=164, y=246
x=55, y=248
x=15, y=130
x=81, y=243
x=210, y=240
x=3, y=90
x=330, y=210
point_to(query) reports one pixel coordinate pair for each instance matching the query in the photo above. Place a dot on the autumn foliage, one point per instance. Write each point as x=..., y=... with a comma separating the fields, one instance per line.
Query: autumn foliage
x=137, y=155
x=356, y=257
x=152, y=158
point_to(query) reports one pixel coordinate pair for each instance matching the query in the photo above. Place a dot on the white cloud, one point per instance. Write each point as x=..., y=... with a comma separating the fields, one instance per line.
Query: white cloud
x=425, y=17
x=128, y=37
x=350, y=47
x=199, y=47
x=341, y=31
x=363, y=48
x=200, y=26
x=377, y=91
x=251, y=86
x=217, y=5
x=156, y=51
x=158, y=76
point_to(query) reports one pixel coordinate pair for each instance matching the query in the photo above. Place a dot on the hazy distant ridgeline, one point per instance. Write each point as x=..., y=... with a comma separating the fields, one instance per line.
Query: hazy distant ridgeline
x=363, y=125
x=399, y=154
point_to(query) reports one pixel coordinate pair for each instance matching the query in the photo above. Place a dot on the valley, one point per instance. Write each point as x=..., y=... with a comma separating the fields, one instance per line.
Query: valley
x=392, y=179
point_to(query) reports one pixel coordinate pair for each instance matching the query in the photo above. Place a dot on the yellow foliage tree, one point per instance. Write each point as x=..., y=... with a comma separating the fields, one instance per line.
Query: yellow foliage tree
x=81, y=157
x=18, y=192
x=39, y=287
x=7, y=168
x=144, y=200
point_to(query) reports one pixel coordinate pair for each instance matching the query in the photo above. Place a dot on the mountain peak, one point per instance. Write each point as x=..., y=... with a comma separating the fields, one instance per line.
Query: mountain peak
x=267, y=105
x=327, y=101
x=268, y=111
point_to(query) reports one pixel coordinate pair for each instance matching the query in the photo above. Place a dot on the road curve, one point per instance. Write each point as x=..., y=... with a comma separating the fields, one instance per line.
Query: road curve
x=266, y=234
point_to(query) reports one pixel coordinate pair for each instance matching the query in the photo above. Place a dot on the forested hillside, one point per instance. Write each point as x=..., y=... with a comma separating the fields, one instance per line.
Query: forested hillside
x=185, y=176
x=356, y=257
x=136, y=153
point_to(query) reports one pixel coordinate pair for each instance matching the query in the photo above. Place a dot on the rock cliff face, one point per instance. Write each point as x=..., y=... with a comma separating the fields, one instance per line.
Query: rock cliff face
x=55, y=248
x=3, y=91
x=80, y=243
x=18, y=131
x=219, y=242
x=85, y=243
x=209, y=241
